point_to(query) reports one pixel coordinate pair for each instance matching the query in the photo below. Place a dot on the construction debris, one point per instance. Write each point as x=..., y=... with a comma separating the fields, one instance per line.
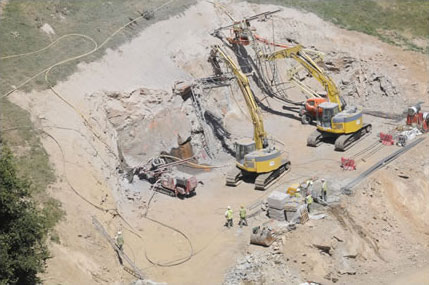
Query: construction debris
x=262, y=236
x=406, y=136
x=348, y=163
x=386, y=139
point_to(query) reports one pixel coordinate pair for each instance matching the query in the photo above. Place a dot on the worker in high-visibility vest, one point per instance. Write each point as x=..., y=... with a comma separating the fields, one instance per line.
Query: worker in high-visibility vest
x=243, y=217
x=309, y=184
x=324, y=190
x=119, y=240
x=308, y=201
x=228, y=216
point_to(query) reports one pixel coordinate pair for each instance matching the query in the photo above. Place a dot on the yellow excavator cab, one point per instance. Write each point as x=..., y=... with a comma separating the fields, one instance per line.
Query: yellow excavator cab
x=347, y=126
x=347, y=121
x=243, y=147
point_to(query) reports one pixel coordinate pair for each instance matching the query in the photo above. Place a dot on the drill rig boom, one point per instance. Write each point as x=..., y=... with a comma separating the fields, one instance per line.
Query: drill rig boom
x=255, y=158
x=260, y=136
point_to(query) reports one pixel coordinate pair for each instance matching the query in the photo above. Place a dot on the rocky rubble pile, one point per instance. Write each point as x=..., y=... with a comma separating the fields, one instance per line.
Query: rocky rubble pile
x=262, y=267
x=363, y=83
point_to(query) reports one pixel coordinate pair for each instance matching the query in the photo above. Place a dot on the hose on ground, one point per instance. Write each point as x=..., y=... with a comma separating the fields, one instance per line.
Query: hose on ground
x=179, y=261
x=113, y=211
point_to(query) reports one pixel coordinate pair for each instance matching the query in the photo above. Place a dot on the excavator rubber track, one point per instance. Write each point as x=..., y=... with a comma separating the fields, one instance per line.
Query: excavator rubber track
x=233, y=177
x=344, y=142
x=265, y=180
x=315, y=139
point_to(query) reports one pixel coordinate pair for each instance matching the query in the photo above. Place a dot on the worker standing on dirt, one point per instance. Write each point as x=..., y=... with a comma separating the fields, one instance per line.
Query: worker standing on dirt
x=228, y=216
x=324, y=190
x=243, y=215
x=119, y=240
x=309, y=201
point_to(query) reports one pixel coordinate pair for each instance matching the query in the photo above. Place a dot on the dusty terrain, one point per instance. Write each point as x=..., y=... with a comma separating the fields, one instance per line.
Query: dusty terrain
x=378, y=235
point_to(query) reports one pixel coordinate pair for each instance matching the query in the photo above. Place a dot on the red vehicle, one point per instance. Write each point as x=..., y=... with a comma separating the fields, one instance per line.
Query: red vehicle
x=417, y=118
x=308, y=110
x=165, y=179
x=178, y=183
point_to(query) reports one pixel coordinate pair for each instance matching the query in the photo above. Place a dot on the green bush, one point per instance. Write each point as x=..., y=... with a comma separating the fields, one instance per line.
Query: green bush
x=23, y=227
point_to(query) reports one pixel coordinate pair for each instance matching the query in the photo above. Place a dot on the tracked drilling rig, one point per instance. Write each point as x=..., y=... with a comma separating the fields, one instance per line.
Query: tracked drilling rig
x=254, y=158
x=334, y=118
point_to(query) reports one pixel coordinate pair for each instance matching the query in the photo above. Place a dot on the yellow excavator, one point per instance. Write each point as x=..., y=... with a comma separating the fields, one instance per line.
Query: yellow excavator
x=254, y=158
x=334, y=118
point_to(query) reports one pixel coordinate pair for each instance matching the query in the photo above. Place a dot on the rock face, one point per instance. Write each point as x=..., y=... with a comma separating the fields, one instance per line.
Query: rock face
x=141, y=139
x=146, y=121
x=363, y=84
x=149, y=121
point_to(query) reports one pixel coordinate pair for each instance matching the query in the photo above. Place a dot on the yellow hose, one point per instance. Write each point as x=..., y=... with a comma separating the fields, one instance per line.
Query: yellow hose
x=194, y=165
x=46, y=47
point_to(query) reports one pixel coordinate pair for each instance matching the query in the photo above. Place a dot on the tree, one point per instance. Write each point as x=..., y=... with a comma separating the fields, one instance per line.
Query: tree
x=23, y=230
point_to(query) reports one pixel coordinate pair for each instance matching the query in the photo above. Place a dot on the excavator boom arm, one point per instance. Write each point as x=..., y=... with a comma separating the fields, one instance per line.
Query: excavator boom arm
x=260, y=135
x=298, y=54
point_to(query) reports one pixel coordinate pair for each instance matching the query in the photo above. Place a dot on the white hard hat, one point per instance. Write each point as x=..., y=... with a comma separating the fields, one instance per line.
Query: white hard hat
x=323, y=179
x=229, y=207
x=119, y=232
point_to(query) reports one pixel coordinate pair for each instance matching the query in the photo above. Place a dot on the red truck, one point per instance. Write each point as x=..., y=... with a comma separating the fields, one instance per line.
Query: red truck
x=308, y=110
x=164, y=178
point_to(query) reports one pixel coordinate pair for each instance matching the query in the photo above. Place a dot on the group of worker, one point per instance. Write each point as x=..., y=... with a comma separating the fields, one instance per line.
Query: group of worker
x=308, y=201
x=243, y=214
x=309, y=197
x=229, y=217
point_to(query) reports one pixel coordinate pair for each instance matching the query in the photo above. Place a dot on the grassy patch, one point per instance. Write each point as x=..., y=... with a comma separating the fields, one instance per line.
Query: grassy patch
x=401, y=22
x=21, y=31
x=31, y=159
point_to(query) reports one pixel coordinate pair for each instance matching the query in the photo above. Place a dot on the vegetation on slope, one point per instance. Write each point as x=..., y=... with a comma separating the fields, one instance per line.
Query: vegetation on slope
x=400, y=22
x=23, y=227
x=21, y=32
